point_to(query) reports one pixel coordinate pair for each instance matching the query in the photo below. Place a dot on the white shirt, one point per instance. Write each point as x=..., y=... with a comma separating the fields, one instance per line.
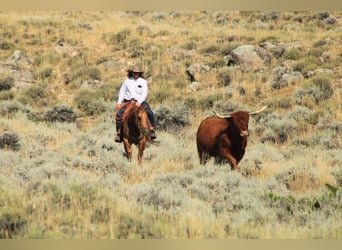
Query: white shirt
x=133, y=89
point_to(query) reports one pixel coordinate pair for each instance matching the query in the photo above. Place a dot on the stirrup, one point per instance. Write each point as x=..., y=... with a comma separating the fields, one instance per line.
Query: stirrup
x=153, y=134
x=118, y=138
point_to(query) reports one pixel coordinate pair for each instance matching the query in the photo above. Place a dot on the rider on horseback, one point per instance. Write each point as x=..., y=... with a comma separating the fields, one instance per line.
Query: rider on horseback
x=135, y=89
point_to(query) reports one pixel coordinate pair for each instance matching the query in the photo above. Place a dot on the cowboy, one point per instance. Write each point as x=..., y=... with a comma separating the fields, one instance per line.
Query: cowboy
x=134, y=88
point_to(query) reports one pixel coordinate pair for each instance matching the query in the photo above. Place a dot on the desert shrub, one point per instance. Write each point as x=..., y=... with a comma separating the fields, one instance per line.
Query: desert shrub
x=35, y=95
x=325, y=139
x=160, y=95
x=317, y=89
x=59, y=113
x=161, y=198
x=283, y=206
x=7, y=95
x=227, y=48
x=190, y=102
x=338, y=176
x=45, y=72
x=236, y=195
x=9, y=108
x=269, y=15
x=107, y=90
x=189, y=45
x=11, y=223
x=335, y=126
x=314, y=117
x=300, y=113
x=84, y=194
x=132, y=228
x=174, y=179
x=308, y=63
x=100, y=215
x=278, y=129
x=6, y=82
x=281, y=102
x=224, y=77
x=226, y=106
x=172, y=118
x=322, y=89
x=209, y=48
x=5, y=45
x=298, y=178
x=315, y=52
x=9, y=141
x=207, y=102
x=87, y=101
x=86, y=73
x=117, y=38
x=49, y=58
x=292, y=54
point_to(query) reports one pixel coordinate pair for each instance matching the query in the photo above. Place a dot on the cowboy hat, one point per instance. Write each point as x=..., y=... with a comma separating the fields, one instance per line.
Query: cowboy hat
x=137, y=69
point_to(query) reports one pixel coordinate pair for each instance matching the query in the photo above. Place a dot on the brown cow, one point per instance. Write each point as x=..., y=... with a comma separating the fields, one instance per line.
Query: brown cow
x=136, y=130
x=224, y=137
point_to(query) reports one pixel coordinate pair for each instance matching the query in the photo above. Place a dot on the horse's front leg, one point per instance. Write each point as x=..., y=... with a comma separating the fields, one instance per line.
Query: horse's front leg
x=128, y=149
x=142, y=146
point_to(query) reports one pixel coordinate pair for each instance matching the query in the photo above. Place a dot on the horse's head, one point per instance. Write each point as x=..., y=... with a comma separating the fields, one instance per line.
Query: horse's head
x=142, y=120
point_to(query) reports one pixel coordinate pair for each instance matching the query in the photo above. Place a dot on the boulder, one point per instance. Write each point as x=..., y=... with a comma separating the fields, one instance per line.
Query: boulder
x=250, y=58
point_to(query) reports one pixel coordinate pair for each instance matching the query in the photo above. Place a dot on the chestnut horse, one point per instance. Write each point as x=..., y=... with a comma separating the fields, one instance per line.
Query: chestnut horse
x=136, y=130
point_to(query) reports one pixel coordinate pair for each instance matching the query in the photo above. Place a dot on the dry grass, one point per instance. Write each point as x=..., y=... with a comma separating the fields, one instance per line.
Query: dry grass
x=75, y=181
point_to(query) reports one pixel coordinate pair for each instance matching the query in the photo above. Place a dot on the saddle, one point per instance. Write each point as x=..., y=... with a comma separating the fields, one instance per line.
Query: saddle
x=128, y=106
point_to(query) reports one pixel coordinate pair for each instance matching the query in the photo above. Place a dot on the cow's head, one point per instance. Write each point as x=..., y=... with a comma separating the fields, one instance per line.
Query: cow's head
x=240, y=119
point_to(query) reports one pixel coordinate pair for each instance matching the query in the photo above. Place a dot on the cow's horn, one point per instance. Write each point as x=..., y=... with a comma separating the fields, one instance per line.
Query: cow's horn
x=221, y=116
x=258, y=111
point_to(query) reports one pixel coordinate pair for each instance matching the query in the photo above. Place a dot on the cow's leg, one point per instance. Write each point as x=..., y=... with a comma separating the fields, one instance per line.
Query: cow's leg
x=128, y=149
x=232, y=161
x=204, y=157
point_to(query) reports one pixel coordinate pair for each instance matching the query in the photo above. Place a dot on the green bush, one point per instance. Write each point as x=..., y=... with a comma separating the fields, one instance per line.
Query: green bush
x=49, y=59
x=86, y=73
x=35, y=95
x=172, y=118
x=11, y=223
x=224, y=77
x=59, y=113
x=43, y=73
x=292, y=54
x=6, y=82
x=319, y=88
x=309, y=63
x=9, y=141
x=278, y=129
x=5, y=45
x=7, y=95
x=9, y=108
x=132, y=228
x=88, y=101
